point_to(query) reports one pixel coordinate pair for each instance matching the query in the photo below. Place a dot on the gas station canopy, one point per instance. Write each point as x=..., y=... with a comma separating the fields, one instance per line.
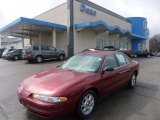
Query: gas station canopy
x=25, y=27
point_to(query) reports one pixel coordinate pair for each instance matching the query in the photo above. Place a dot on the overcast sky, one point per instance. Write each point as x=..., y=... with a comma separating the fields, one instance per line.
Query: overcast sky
x=13, y=9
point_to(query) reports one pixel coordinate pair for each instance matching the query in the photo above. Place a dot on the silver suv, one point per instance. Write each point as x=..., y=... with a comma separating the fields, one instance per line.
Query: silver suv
x=39, y=53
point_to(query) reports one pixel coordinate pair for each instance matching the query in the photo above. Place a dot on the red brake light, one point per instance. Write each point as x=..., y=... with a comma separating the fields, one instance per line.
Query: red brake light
x=29, y=53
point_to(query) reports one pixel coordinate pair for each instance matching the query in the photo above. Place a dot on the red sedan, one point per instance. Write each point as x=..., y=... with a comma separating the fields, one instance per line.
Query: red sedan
x=78, y=84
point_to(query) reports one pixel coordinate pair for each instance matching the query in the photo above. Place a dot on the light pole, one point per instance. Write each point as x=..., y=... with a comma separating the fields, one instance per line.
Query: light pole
x=70, y=29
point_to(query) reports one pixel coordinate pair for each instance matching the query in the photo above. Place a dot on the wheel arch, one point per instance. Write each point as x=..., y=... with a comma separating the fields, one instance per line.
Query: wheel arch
x=136, y=72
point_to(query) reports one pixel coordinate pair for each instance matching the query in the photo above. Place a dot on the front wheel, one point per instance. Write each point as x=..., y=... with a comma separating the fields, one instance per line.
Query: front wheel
x=133, y=81
x=61, y=57
x=87, y=104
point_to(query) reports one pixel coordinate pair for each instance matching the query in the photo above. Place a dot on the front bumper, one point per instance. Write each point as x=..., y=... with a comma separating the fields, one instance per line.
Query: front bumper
x=41, y=108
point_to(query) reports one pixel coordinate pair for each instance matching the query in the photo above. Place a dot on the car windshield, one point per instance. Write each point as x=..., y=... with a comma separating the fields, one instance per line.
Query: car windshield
x=83, y=63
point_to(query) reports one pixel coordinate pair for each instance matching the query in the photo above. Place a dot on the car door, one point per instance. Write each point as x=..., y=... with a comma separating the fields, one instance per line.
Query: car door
x=53, y=52
x=45, y=52
x=110, y=78
x=124, y=69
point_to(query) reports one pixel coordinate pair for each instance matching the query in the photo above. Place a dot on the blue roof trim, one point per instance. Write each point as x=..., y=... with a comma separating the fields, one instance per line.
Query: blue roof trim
x=33, y=21
x=11, y=24
x=138, y=36
x=100, y=22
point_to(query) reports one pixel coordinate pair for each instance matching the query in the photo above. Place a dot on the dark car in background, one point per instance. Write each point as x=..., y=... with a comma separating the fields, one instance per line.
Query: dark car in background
x=6, y=51
x=143, y=54
x=129, y=53
x=39, y=53
x=109, y=48
x=14, y=55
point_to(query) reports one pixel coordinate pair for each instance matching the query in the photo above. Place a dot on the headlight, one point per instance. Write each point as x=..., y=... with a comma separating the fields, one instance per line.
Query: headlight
x=50, y=99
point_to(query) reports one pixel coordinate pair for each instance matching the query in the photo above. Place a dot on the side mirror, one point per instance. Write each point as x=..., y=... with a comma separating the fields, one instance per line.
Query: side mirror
x=60, y=64
x=108, y=69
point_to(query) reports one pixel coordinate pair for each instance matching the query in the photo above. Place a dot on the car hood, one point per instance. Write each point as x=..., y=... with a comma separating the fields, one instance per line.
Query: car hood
x=52, y=81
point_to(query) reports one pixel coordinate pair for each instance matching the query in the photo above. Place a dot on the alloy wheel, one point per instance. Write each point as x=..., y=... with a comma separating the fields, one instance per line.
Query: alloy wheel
x=133, y=81
x=15, y=57
x=39, y=59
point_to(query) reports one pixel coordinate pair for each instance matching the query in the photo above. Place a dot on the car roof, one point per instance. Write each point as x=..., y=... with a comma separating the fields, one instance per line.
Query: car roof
x=98, y=52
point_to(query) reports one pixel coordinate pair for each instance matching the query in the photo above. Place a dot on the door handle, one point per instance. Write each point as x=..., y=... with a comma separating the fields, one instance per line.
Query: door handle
x=124, y=71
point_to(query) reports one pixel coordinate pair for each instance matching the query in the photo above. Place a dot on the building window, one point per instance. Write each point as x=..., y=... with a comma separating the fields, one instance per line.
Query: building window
x=121, y=45
x=105, y=43
x=125, y=45
x=117, y=44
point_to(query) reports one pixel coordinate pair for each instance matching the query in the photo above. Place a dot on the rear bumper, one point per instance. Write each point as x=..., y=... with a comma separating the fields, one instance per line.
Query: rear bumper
x=43, y=109
x=27, y=57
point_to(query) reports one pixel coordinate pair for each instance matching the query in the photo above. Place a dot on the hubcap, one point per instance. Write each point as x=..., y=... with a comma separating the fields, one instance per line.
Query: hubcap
x=87, y=104
x=39, y=59
x=133, y=82
x=16, y=57
x=61, y=57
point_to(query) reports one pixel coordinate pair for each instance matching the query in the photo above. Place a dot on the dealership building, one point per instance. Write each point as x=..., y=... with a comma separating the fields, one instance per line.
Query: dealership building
x=78, y=25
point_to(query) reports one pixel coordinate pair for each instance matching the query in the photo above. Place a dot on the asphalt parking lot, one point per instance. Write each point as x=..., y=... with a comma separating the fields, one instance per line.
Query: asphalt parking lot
x=142, y=103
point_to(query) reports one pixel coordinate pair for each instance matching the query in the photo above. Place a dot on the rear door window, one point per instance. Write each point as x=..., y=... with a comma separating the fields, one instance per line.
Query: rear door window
x=110, y=62
x=44, y=48
x=128, y=60
x=121, y=59
x=36, y=48
x=52, y=48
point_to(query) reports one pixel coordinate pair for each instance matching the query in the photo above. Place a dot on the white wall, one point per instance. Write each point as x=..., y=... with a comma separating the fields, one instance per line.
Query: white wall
x=80, y=17
x=61, y=41
x=16, y=45
x=55, y=15
x=86, y=38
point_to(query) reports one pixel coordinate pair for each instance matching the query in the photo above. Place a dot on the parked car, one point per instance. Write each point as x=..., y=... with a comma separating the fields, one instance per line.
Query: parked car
x=158, y=54
x=143, y=54
x=39, y=53
x=6, y=51
x=109, y=48
x=112, y=48
x=78, y=83
x=1, y=52
x=14, y=55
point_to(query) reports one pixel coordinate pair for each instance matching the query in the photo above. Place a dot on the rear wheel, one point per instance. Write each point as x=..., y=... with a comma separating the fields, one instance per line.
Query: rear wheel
x=133, y=81
x=87, y=104
x=39, y=59
x=16, y=57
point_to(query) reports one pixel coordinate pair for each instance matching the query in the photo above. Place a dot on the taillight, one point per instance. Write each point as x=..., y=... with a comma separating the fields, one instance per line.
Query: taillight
x=29, y=53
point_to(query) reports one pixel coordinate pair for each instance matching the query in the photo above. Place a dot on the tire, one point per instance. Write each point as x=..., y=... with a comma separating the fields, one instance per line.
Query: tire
x=148, y=56
x=87, y=104
x=39, y=59
x=61, y=57
x=30, y=61
x=133, y=81
x=16, y=57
